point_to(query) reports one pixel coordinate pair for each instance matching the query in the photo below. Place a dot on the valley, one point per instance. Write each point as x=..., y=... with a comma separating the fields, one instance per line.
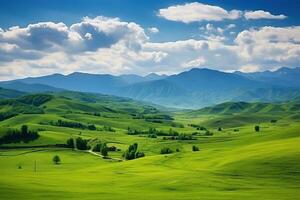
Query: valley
x=215, y=152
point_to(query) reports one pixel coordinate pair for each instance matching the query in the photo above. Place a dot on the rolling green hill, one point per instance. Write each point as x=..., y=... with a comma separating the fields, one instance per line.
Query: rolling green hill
x=244, y=107
x=7, y=93
x=234, y=162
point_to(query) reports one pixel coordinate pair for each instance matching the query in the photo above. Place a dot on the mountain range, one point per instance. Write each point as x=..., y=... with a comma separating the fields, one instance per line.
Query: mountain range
x=195, y=88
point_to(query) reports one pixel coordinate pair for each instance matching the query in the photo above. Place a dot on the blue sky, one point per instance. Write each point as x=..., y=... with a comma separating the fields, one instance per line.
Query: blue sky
x=142, y=36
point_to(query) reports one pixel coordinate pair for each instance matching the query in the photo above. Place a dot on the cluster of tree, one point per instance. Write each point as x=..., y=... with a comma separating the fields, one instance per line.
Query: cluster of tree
x=132, y=152
x=35, y=99
x=198, y=127
x=108, y=128
x=7, y=115
x=102, y=148
x=15, y=136
x=180, y=137
x=177, y=125
x=195, y=148
x=72, y=124
x=82, y=144
x=152, y=131
x=166, y=150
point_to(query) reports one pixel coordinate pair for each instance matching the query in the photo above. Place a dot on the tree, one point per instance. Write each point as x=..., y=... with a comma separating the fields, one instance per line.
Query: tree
x=81, y=144
x=132, y=153
x=195, y=148
x=257, y=128
x=56, y=159
x=24, y=129
x=104, y=150
x=70, y=143
x=219, y=129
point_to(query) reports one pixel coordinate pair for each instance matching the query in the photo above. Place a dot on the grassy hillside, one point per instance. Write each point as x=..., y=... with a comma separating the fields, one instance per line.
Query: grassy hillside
x=234, y=162
x=7, y=93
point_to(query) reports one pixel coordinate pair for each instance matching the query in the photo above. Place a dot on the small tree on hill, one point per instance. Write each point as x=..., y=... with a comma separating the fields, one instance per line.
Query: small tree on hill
x=70, y=143
x=104, y=150
x=195, y=148
x=56, y=160
x=24, y=129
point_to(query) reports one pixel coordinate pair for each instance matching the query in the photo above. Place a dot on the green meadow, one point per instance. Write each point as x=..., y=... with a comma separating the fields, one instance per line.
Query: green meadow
x=234, y=160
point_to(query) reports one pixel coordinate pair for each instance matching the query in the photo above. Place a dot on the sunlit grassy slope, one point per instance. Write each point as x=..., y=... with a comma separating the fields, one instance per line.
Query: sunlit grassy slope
x=235, y=163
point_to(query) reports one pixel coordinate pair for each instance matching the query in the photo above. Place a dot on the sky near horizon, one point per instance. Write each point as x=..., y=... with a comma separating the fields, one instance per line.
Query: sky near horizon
x=40, y=37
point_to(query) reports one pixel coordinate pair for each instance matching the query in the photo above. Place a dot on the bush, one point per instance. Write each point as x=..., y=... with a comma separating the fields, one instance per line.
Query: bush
x=195, y=148
x=219, y=129
x=166, y=150
x=273, y=120
x=257, y=128
x=208, y=133
x=108, y=128
x=56, y=160
x=91, y=127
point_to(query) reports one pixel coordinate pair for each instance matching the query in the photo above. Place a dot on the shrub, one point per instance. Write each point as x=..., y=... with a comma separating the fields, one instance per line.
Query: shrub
x=91, y=127
x=273, y=120
x=195, y=148
x=108, y=128
x=208, y=133
x=257, y=128
x=219, y=129
x=166, y=150
x=56, y=160
x=140, y=154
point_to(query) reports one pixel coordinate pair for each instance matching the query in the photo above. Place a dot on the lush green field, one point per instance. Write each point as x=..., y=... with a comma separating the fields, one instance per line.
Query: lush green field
x=234, y=163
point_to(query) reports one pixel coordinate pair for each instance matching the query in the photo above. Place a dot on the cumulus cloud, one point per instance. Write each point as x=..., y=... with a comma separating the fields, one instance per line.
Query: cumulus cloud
x=260, y=14
x=269, y=45
x=110, y=45
x=153, y=30
x=194, y=63
x=192, y=12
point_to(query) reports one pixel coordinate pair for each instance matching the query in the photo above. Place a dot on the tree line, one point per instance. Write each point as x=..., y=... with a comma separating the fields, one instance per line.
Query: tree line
x=16, y=135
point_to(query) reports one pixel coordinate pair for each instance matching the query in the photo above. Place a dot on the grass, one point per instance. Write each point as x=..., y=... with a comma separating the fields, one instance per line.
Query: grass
x=230, y=165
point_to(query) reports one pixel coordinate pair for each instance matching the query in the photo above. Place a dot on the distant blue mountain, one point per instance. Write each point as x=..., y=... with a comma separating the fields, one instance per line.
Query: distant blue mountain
x=284, y=76
x=190, y=89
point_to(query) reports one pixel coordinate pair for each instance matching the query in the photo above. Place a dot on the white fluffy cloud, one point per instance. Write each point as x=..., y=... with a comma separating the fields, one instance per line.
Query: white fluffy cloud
x=200, y=61
x=153, y=30
x=196, y=12
x=192, y=12
x=270, y=45
x=260, y=14
x=109, y=45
